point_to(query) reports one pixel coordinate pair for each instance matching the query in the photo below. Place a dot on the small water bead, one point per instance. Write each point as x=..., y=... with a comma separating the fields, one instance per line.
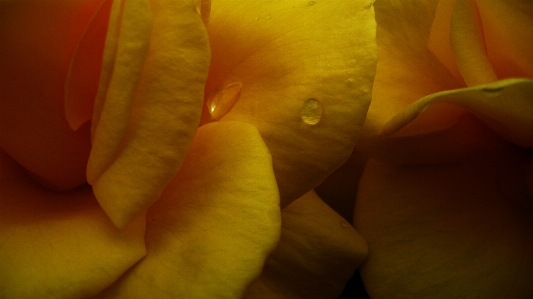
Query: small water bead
x=311, y=3
x=311, y=111
x=220, y=103
x=268, y=17
x=344, y=224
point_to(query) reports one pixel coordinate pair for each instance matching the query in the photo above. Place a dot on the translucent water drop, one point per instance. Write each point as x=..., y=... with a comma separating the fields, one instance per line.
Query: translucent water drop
x=268, y=17
x=220, y=103
x=344, y=224
x=311, y=3
x=311, y=111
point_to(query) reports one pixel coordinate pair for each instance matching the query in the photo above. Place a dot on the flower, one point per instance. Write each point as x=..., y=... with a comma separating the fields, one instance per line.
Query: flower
x=445, y=199
x=109, y=187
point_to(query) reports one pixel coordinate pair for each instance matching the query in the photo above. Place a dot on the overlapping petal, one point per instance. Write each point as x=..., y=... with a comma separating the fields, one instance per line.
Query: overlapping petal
x=34, y=61
x=306, y=69
x=82, y=80
x=213, y=227
x=59, y=245
x=505, y=106
x=508, y=23
x=317, y=254
x=149, y=102
x=407, y=70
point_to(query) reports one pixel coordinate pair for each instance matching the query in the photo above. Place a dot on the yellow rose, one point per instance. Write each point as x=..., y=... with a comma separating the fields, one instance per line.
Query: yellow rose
x=120, y=179
x=445, y=201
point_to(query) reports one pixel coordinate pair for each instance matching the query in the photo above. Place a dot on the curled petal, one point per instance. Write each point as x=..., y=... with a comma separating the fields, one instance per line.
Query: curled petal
x=508, y=32
x=407, y=70
x=149, y=102
x=468, y=44
x=505, y=106
x=214, y=225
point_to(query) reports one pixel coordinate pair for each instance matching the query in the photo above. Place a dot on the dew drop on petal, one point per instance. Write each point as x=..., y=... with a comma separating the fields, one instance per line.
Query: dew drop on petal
x=268, y=17
x=344, y=224
x=220, y=103
x=311, y=3
x=311, y=111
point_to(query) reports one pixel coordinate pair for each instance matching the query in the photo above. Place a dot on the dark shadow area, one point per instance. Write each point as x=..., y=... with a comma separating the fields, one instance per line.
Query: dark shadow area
x=354, y=288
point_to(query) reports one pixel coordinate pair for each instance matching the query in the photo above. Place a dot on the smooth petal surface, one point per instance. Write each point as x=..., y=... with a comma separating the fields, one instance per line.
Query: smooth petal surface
x=506, y=106
x=212, y=229
x=306, y=69
x=508, y=23
x=84, y=72
x=59, y=245
x=149, y=104
x=407, y=70
x=38, y=41
x=468, y=44
x=451, y=231
x=317, y=254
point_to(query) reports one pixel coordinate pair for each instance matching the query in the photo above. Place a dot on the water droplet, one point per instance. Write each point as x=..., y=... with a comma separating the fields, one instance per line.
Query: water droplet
x=268, y=17
x=220, y=103
x=311, y=111
x=344, y=224
x=311, y=3
x=256, y=18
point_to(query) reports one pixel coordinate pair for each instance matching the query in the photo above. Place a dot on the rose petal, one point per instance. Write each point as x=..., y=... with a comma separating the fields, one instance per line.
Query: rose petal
x=153, y=96
x=439, y=37
x=508, y=32
x=211, y=231
x=453, y=231
x=84, y=72
x=59, y=245
x=407, y=70
x=505, y=106
x=285, y=53
x=317, y=254
x=468, y=44
x=38, y=41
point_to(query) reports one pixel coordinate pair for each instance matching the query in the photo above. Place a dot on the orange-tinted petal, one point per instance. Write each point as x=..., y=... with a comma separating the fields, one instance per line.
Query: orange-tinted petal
x=468, y=44
x=212, y=229
x=149, y=103
x=59, y=245
x=317, y=254
x=439, y=37
x=407, y=70
x=505, y=106
x=508, y=32
x=454, y=231
x=84, y=72
x=38, y=41
x=306, y=69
